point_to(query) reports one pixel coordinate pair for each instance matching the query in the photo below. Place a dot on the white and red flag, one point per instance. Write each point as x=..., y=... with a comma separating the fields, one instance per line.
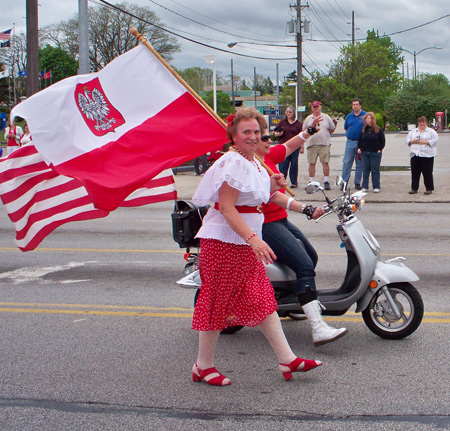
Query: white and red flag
x=38, y=199
x=116, y=129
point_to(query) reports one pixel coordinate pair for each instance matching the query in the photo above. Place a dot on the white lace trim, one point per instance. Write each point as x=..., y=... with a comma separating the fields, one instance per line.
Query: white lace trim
x=239, y=173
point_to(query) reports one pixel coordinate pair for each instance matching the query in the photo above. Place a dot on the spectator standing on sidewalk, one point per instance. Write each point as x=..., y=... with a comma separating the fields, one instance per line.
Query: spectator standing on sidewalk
x=353, y=125
x=370, y=146
x=422, y=144
x=286, y=129
x=318, y=145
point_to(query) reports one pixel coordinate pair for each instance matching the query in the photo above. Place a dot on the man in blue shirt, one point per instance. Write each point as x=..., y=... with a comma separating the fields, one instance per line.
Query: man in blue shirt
x=353, y=125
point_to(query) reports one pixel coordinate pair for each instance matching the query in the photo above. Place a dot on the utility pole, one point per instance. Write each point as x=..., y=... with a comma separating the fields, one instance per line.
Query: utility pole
x=32, y=48
x=278, y=86
x=83, y=37
x=299, y=61
x=296, y=27
x=232, y=84
x=353, y=27
x=254, y=86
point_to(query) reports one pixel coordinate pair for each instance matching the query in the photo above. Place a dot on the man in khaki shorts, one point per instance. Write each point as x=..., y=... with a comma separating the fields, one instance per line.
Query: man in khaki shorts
x=318, y=145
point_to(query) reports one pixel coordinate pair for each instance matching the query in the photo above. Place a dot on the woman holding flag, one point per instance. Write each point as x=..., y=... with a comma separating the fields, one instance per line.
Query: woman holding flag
x=235, y=288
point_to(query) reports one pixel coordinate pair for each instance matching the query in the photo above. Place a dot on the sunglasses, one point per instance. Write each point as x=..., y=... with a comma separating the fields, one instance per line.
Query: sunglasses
x=265, y=138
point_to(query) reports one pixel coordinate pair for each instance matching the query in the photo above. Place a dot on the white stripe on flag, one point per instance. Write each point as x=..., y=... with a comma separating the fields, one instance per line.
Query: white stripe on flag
x=38, y=200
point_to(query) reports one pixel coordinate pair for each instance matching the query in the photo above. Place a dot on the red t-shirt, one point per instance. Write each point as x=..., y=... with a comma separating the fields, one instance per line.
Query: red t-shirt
x=271, y=211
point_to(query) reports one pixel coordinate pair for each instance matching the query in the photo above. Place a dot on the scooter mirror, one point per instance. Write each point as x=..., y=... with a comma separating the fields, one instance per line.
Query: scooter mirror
x=312, y=187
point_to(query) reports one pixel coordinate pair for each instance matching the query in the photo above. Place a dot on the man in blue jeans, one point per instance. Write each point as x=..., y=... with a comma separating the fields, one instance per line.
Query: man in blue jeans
x=353, y=125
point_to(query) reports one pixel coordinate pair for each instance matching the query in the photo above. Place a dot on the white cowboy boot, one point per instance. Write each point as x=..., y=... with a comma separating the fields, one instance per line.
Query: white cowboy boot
x=322, y=333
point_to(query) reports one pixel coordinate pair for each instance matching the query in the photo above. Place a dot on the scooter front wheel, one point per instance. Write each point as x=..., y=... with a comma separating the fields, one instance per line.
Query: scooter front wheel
x=380, y=318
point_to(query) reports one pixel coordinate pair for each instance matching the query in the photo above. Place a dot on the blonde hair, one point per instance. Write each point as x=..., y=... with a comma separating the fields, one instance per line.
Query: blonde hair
x=374, y=125
x=245, y=114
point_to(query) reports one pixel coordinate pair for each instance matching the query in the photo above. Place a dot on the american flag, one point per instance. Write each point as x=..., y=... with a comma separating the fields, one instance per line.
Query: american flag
x=38, y=200
x=5, y=35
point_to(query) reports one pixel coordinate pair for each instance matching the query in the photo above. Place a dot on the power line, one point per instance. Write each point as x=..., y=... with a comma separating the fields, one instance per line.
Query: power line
x=325, y=39
x=198, y=22
x=331, y=20
x=337, y=12
x=188, y=39
x=312, y=61
x=216, y=20
x=384, y=35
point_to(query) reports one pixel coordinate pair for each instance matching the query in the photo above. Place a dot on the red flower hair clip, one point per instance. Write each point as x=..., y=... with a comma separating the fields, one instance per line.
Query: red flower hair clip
x=230, y=119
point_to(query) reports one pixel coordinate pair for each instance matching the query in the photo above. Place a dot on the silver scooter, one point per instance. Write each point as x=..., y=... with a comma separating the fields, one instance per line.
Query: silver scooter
x=391, y=306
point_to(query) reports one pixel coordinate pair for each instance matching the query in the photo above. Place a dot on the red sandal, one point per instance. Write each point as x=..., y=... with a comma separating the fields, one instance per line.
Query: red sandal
x=300, y=365
x=208, y=376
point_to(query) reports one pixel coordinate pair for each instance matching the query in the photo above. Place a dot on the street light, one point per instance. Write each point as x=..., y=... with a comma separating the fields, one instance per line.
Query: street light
x=415, y=54
x=211, y=59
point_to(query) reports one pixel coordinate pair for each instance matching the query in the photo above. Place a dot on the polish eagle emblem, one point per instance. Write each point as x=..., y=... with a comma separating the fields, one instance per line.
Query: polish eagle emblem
x=97, y=111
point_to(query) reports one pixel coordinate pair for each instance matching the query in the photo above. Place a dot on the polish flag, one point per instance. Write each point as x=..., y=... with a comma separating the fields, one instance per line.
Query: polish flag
x=116, y=129
x=38, y=199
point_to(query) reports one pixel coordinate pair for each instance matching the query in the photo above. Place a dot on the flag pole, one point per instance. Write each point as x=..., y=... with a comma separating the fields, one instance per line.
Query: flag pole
x=144, y=40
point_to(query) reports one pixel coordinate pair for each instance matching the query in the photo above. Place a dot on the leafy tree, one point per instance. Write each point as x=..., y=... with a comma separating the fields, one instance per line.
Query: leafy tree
x=16, y=57
x=196, y=77
x=224, y=106
x=418, y=97
x=287, y=94
x=261, y=84
x=267, y=86
x=244, y=85
x=59, y=62
x=366, y=70
x=4, y=87
x=109, y=34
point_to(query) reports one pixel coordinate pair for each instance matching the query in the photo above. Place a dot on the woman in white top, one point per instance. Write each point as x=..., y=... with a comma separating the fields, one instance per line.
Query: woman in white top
x=422, y=144
x=235, y=288
x=13, y=134
x=26, y=137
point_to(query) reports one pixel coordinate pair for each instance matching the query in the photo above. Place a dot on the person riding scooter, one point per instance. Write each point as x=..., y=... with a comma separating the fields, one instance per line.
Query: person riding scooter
x=287, y=241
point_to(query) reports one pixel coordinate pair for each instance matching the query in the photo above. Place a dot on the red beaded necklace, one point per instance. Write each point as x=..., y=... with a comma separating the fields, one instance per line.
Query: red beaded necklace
x=246, y=157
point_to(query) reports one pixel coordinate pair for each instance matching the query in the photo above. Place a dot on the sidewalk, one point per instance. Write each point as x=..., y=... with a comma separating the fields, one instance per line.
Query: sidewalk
x=395, y=181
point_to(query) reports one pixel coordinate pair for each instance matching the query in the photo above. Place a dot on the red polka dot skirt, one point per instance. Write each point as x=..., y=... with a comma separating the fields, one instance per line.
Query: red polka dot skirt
x=235, y=287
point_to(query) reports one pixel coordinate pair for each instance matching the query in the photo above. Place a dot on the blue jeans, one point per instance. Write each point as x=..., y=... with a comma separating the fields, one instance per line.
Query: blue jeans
x=294, y=250
x=293, y=170
x=371, y=165
x=350, y=155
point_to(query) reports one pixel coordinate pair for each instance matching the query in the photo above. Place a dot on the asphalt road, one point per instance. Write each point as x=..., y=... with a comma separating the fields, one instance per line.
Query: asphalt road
x=96, y=336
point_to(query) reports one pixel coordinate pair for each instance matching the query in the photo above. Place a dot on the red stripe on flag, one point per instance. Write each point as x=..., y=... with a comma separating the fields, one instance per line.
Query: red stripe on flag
x=149, y=199
x=13, y=194
x=43, y=196
x=49, y=228
x=56, y=209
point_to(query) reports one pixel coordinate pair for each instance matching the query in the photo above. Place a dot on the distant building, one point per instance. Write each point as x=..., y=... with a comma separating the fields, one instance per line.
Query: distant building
x=246, y=97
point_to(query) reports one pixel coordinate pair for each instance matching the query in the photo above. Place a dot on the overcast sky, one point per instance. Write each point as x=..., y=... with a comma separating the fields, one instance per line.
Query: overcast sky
x=216, y=23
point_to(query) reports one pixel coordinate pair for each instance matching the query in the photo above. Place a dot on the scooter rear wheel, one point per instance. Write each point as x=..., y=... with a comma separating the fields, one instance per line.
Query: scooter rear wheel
x=380, y=319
